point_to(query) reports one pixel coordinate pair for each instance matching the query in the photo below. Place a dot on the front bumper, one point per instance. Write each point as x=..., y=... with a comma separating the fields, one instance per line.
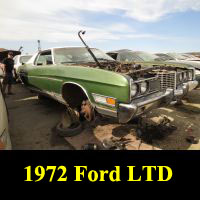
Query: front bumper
x=184, y=89
x=142, y=105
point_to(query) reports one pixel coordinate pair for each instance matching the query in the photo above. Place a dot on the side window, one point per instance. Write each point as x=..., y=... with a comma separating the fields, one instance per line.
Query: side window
x=44, y=58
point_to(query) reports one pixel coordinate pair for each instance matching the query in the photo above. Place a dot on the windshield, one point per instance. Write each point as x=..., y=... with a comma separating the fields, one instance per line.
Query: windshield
x=24, y=59
x=128, y=56
x=79, y=55
x=164, y=57
x=147, y=57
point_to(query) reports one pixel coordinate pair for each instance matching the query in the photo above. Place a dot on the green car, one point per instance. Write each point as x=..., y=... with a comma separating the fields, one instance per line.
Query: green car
x=73, y=77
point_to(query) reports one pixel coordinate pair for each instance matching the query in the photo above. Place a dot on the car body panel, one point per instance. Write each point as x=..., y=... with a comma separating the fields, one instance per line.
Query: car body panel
x=5, y=141
x=17, y=60
x=51, y=78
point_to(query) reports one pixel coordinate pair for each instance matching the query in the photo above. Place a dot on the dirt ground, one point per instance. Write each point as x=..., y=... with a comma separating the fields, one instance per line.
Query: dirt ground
x=32, y=123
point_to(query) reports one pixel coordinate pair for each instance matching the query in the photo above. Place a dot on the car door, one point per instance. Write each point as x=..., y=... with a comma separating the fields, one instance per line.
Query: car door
x=39, y=73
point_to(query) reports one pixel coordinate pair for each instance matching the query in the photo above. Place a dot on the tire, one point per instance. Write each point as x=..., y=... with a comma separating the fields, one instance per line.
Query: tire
x=70, y=131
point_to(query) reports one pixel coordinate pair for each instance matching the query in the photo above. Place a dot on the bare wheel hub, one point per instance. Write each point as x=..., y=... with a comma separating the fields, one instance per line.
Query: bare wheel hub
x=87, y=110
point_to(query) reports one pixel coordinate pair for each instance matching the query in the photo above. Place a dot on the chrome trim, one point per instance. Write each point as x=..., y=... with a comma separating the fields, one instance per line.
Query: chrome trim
x=147, y=79
x=41, y=77
x=127, y=111
x=146, y=95
x=106, y=112
x=138, y=83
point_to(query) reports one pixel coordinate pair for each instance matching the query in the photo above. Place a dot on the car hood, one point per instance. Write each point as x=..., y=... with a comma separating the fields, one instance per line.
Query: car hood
x=194, y=64
x=171, y=63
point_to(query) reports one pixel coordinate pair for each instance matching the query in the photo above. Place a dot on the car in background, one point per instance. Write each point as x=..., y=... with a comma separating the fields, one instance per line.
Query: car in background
x=196, y=54
x=148, y=59
x=20, y=60
x=4, y=53
x=5, y=142
x=183, y=56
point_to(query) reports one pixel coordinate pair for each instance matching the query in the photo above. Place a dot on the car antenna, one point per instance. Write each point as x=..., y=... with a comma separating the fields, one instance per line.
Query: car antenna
x=20, y=48
x=88, y=48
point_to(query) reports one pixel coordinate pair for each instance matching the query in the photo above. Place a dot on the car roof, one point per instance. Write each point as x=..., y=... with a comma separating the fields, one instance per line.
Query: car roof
x=119, y=51
x=62, y=47
x=125, y=50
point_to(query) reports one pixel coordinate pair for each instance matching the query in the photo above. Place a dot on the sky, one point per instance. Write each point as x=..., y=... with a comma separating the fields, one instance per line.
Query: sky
x=146, y=25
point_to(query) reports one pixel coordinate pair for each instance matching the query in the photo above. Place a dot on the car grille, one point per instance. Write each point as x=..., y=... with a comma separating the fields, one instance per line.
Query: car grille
x=167, y=79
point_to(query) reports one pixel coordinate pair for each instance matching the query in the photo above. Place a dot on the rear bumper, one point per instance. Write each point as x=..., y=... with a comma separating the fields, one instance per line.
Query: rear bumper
x=140, y=106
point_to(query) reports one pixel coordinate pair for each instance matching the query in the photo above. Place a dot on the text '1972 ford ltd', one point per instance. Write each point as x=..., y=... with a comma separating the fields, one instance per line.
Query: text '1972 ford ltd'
x=89, y=80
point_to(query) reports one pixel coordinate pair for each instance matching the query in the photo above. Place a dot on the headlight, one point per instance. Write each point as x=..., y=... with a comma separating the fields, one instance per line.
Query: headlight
x=143, y=87
x=190, y=75
x=134, y=89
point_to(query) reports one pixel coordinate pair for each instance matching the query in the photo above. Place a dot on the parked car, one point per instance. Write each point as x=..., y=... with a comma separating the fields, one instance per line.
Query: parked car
x=20, y=60
x=148, y=59
x=4, y=53
x=72, y=76
x=5, y=142
x=196, y=54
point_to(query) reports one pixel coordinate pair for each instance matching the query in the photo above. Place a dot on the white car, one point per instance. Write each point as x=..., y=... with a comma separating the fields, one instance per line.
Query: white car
x=5, y=142
x=20, y=60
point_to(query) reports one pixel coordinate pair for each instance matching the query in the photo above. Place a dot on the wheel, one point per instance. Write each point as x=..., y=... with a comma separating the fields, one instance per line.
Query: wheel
x=75, y=129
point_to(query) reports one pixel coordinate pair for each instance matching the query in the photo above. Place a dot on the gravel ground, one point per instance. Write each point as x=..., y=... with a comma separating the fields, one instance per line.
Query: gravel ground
x=32, y=122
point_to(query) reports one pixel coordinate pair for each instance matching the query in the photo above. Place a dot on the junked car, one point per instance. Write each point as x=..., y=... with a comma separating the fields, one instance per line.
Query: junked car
x=4, y=53
x=89, y=81
x=183, y=56
x=20, y=60
x=5, y=142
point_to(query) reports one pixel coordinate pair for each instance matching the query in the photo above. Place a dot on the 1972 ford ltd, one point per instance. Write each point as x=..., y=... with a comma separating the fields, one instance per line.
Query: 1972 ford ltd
x=89, y=81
